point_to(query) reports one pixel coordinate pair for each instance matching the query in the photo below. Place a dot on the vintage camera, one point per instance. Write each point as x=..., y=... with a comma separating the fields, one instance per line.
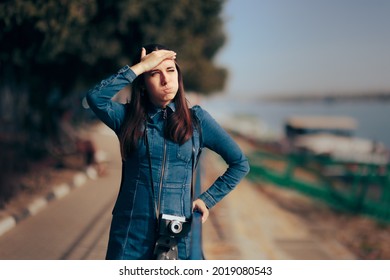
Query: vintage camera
x=175, y=226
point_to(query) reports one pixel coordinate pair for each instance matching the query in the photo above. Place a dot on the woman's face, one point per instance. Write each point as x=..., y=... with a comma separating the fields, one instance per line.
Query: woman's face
x=162, y=83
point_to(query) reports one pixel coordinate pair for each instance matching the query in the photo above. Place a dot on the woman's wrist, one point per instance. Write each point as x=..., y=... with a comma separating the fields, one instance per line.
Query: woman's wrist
x=138, y=69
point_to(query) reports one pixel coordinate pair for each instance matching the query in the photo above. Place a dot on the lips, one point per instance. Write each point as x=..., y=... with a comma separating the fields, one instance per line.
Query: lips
x=168, y=90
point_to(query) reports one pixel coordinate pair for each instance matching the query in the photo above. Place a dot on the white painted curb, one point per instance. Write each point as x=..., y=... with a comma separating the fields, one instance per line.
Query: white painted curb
x=58, y=192
x=7, y=224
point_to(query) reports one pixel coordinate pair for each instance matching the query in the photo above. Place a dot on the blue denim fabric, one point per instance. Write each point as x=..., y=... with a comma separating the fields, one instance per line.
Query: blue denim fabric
x=132, y=233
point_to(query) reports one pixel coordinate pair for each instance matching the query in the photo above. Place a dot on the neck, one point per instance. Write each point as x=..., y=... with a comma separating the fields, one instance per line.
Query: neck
x=160, y=105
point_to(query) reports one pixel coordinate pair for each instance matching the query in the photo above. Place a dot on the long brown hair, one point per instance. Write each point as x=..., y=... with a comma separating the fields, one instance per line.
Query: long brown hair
x=179, y=124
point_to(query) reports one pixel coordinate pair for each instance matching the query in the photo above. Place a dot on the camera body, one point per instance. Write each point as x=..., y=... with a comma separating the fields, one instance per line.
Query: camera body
x=174, y=226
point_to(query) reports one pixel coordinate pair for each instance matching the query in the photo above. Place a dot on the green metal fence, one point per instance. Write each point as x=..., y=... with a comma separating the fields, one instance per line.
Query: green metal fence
x=353, y=187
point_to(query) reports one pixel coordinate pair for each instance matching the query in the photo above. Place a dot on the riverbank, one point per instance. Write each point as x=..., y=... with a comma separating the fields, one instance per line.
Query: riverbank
x=269, y=117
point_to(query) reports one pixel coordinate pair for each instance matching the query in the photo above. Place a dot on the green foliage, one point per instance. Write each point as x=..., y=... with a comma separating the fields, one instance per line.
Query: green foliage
x=69, y=43
x=52, y=51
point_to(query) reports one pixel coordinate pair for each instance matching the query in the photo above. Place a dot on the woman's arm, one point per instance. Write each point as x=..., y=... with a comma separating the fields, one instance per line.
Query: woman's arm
x=99, y=98
x=217, y=139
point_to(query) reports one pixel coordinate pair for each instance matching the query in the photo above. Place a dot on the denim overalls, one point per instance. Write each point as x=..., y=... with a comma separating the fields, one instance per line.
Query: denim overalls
x=133, y=227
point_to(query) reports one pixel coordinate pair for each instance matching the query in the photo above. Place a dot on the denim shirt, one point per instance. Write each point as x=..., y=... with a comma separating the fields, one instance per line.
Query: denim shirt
x=171, y=162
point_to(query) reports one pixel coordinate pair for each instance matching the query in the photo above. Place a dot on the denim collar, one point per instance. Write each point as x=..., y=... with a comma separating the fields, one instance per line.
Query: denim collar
x=153, y=110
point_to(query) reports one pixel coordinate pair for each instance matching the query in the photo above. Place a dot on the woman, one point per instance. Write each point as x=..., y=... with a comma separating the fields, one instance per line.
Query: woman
x=158, y=134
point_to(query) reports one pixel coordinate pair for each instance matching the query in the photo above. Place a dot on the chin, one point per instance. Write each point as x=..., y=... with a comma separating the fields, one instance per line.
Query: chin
x=170, y=96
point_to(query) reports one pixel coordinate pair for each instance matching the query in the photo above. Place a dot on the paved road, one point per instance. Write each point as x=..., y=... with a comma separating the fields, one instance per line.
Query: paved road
x=74, y=227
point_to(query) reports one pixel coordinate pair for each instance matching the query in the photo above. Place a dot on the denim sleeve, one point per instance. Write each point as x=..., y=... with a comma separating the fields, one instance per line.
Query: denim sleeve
x=218, y=140
x=99, y=98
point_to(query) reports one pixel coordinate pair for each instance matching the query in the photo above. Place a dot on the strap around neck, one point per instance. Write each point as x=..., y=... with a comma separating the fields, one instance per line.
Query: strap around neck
x=194, y=159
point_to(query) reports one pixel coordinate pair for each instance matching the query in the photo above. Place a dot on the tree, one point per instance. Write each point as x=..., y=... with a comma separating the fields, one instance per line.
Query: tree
x=53, y=48
x=52, y=51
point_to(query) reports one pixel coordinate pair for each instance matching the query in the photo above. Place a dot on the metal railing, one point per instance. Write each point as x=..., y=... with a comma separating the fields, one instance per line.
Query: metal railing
x=361, y=189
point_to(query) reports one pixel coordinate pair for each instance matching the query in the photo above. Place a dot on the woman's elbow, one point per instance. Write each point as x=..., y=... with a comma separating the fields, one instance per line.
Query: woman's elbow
x=246, y=166
x=242, y=167
x=90, y=98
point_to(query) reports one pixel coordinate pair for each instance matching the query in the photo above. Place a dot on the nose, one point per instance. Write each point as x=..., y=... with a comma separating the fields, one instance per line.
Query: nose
x=163, y=79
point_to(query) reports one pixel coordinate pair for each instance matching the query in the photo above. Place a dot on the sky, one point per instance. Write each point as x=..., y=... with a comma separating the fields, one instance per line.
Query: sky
x=306, y=46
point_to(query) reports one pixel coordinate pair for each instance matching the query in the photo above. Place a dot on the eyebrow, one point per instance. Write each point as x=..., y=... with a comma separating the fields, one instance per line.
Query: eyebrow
x=159, y=70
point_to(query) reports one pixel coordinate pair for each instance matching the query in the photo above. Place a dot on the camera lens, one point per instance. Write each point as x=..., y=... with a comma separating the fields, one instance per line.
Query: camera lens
x=176, y=227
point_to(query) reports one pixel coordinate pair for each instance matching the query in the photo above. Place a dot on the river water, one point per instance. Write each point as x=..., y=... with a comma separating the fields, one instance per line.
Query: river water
x=373, y=117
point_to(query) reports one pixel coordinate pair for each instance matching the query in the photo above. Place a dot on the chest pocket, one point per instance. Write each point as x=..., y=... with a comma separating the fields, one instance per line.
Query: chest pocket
x=184, y=152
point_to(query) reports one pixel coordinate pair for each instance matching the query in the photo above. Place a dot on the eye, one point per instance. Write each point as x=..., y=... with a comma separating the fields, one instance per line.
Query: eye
x=153, y=73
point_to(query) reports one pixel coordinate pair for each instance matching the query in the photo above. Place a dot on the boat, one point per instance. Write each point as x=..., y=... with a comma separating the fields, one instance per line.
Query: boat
x=333, y=136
